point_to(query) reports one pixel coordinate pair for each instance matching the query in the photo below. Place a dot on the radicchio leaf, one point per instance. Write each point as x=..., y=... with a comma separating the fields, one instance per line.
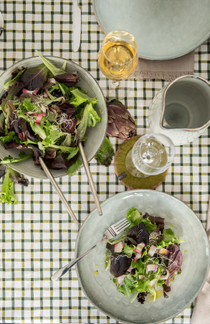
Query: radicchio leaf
x=69, y=79
x=14, y=90
x=68, y=108
x=34, y=78
x=28, y=95
x=37, y=153
x=175, y=261
x=119, y=264
x=18, y=178
x=13, y=144
x=69, y=125
x=60, y=162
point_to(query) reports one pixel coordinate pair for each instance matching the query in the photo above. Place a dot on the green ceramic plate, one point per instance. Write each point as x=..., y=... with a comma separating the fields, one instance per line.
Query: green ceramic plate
x=164, y=29
x=101, y=291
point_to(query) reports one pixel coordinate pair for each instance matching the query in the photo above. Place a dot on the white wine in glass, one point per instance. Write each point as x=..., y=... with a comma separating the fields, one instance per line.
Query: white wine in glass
x=118, y=57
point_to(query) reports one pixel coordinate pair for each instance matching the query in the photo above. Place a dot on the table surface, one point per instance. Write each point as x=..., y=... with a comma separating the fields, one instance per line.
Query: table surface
x=37, y=236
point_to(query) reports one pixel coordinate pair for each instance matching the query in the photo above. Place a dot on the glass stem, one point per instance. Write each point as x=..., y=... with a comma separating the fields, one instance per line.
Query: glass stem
x=116, y=83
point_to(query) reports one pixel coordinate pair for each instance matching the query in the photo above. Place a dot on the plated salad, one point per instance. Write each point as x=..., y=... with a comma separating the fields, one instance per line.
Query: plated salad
x=146, y=259
x=44, y=110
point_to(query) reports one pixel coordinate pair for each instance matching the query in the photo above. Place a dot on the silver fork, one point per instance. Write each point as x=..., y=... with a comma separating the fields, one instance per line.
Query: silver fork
x=111, y=232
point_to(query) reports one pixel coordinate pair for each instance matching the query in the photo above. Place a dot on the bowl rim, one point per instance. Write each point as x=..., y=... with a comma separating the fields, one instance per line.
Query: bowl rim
x=12, y=68
x=158, y=193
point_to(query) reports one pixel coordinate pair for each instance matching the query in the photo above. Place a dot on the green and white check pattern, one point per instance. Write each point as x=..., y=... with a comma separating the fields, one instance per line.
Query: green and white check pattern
x=37, y=236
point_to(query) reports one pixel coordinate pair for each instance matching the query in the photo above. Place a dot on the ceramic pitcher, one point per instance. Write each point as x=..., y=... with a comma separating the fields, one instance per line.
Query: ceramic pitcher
x=181, y=110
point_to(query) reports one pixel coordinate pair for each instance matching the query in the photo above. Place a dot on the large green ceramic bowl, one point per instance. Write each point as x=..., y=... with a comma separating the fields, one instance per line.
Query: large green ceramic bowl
x=95, y=135
x=101, y=291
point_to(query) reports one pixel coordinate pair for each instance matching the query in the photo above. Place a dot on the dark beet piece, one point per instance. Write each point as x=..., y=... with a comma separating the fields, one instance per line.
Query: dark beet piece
x=138, y=234
x=166, y=288
x=141, y=297
x=119, y=265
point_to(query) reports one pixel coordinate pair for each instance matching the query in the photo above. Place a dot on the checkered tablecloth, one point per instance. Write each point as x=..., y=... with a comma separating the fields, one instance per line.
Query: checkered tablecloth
x=37, y=236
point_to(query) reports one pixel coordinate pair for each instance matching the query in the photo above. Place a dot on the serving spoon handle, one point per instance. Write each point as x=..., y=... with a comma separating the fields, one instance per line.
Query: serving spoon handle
x=57, y=188
x=90, y=179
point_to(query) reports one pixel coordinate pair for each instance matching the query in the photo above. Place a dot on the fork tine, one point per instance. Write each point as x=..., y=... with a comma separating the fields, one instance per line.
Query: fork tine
x=122, y=227
x=119, y=226
x=119, y=222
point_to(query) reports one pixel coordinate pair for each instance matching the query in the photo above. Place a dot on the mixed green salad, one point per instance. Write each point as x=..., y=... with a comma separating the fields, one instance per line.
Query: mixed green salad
x=43, y=109
x=146, y=259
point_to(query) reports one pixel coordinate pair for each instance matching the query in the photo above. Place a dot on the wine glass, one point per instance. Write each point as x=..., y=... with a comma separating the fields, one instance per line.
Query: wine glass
x=152, y=154
x=118, y=57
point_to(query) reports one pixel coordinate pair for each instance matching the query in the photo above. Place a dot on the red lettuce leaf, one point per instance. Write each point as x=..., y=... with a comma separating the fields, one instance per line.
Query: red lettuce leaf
x=69, y=79
x=27, y=95
x=68, y=108
x=69, y=125
x=13, y=144
x=2, y=170
x=14, y=90
x=60, y=162
x=34, y=78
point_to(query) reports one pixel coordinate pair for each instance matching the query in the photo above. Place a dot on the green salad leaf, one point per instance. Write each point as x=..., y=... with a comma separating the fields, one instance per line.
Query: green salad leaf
x=74, y=167
x=105, y=153
x=93, y=117
x=80, y=97
x=11, y=82
x=149, y=226
x=53, y=69
x=7, y=194
x=128, y=250
x=134, y=216
x=22, y=157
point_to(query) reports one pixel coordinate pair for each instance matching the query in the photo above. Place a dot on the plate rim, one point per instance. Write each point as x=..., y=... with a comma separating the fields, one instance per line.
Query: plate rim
x=150, y=58
x=133, y=191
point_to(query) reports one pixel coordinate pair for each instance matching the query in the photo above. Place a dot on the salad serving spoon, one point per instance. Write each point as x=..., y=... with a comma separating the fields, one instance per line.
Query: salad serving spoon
x=57, y=188
x=111, y=232
x=90, y=179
